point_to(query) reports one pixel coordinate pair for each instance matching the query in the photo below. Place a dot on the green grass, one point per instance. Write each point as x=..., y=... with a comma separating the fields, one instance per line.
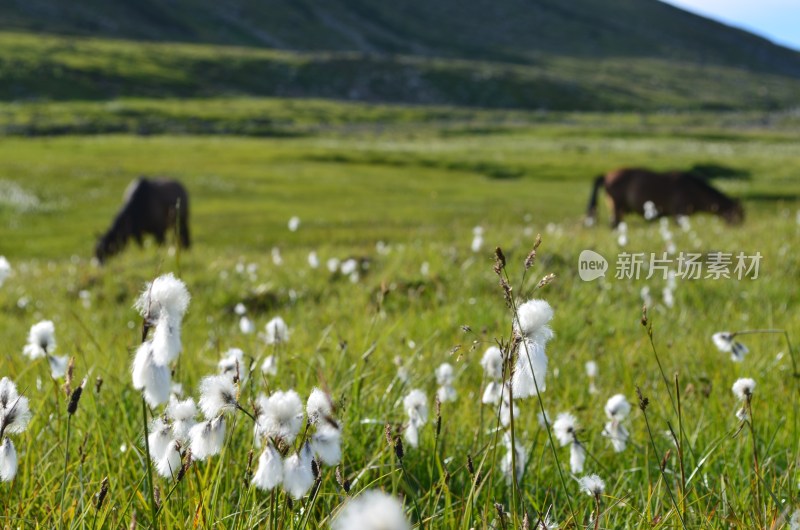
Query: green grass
x=418, y=180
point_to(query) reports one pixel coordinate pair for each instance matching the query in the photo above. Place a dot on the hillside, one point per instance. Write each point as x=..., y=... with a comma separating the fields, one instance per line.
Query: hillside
x=545, y=54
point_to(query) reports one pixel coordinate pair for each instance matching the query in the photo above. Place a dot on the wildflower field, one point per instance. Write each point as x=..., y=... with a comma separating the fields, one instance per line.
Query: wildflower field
x=352, y=340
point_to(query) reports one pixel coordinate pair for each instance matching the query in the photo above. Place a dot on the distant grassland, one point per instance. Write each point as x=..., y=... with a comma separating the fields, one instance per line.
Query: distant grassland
x=418, y=180
x=60, y=68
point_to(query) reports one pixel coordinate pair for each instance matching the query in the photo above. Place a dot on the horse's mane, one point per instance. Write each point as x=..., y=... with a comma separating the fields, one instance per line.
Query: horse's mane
x=125, y=223
x=703, y=184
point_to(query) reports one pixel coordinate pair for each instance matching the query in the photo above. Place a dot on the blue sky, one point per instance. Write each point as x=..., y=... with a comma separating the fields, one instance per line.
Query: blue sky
x=777, y=20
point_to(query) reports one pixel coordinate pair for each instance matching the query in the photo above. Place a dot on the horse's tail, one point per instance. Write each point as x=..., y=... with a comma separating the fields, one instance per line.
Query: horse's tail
x=591, y=210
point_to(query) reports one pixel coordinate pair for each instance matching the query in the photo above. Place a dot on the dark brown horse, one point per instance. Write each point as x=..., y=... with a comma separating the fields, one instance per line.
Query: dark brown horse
x=150, y=207
x=671, y=193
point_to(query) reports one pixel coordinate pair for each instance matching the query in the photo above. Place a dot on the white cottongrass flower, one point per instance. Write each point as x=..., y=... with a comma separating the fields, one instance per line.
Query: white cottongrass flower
x=592, y=485
x=159, y=438
x=591, y=372
x=246, y=325
x=564, y=428
x=240, y=309
x=170, y=462
x=269, y=472
x=477, y=239
x=577, y=457
x=650, y=210
x=276, y=331
x=372, y=510
x=327, y=444
x=217, y=396
x=506, y=408
x=270, y=366
x=444, y=378
x=530, y=369
x=646, y=298
x=58, y=365
x=277, y=259
x=416, y=406
x=41, y=340
x=298, y=476
x=294, y=223
x=532, y=319
x=492, y=363
x=313, y=260
x=280, y=415
x=332, y=264
x=521, y=459
x=207, y=438
x=743, y=388
x=617, y=409
x=182, y=414
x=318, y=406
x=15, y=412
x=724, y=341
x=162, y=304
x=8, y=461
x=232, y=362
x=348, y=267
x=622, y=238
x=669, y=298
x=5, y=270
x=153, y=379
x=166, y=295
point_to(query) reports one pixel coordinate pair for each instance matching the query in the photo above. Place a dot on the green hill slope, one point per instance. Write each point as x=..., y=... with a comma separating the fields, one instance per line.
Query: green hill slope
x=542, y=54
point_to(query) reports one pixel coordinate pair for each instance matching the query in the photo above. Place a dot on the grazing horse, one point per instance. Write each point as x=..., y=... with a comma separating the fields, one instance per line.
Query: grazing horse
x=149, y=207
x=671, y=193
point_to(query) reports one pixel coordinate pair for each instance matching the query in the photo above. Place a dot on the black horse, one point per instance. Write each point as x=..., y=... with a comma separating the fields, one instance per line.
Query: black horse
x=150, y=207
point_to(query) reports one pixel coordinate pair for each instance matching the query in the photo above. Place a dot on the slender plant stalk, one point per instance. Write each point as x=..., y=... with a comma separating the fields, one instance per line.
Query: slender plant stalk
x=64, y=479
x=151, y=486
x=663, y=474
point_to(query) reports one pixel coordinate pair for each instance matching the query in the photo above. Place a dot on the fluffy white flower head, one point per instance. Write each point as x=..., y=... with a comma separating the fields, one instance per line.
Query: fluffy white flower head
x=372, y=510
x=166, y=295
x=270, y=469
x=276, y=331
x=444, y=374
x=593, y=485
x=153, y=379
x=530, y=370
x=15, y=413
x=726, y=343
x=532, y=319
x=743, y=388
x=617, y=407
x=318, y=406
x=416, y=406
x=230, y=360
x=298, y=477
x=5, y=270
x=280, y=415
x=8, y=460
x=217, y=395
x=564, y=428
x=492, y=363
x=207, y=438
x=41, y=340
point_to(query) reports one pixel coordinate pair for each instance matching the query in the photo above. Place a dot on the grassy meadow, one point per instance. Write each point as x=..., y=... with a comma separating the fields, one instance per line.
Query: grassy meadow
x=401, y=189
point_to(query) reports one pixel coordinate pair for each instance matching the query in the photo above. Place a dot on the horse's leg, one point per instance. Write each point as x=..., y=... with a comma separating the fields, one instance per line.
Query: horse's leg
x=616, y=211
x=137, y=236
x=160, y=237
x=184, y=232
